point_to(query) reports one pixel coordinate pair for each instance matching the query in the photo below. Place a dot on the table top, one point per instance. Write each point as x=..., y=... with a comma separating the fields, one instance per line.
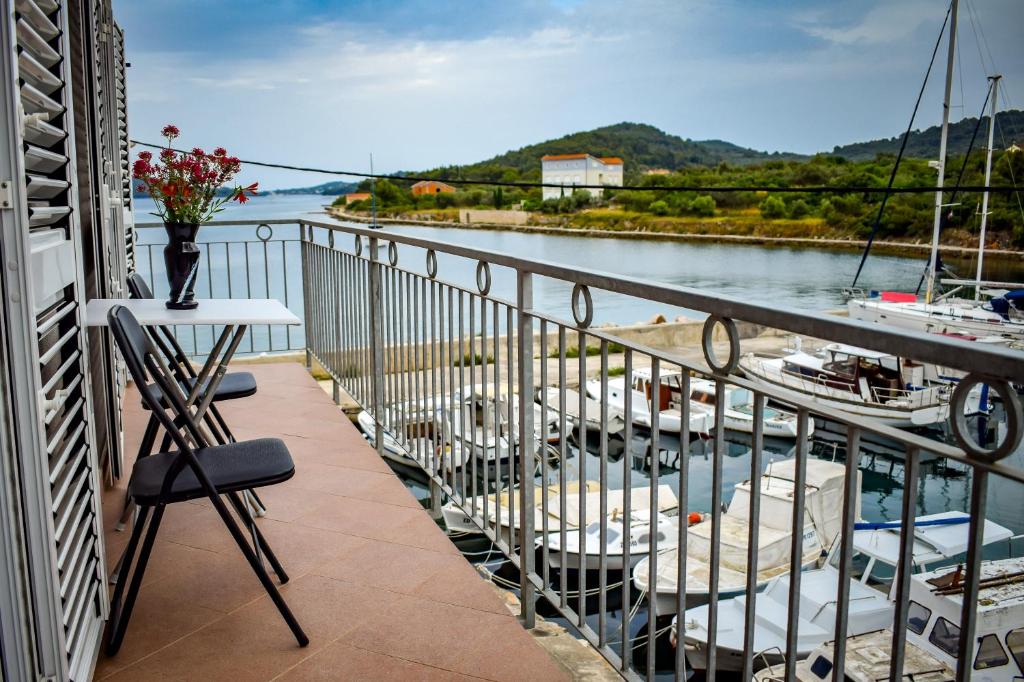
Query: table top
x=151, y=312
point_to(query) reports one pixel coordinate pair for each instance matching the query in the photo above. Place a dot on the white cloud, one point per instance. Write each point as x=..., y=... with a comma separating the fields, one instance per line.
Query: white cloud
x=886, y=23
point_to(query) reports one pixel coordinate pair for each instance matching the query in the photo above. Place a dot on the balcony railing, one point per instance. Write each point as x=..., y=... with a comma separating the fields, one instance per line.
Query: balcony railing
x=450, y=371
x=240, y=259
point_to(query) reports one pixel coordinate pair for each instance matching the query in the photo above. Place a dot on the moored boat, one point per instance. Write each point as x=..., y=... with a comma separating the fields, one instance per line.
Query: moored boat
x=938, y=538
x=822, y=519
x=856, y=380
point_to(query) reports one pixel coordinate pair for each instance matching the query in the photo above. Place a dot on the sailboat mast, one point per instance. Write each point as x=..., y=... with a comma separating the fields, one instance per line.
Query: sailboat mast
x=933, y=265
x=373, y=194
x=988, y=177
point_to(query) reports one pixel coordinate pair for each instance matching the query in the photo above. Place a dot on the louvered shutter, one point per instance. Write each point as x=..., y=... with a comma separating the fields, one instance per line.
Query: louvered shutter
x=44, y=304
x=124, y=146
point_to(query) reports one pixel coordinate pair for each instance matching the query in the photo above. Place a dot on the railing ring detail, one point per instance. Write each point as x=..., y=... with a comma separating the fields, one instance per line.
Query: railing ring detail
x=708, y=344
x=431, y=264
x=585, y=316
x=961, y=429
x=483, y=277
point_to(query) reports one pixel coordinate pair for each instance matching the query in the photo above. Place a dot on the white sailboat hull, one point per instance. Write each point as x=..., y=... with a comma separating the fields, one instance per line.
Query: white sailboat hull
x=937, y=318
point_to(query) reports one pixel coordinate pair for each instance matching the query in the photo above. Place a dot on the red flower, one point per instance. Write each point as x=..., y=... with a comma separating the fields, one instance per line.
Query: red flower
x=170, y=132
x=146, y=156
x=220, y=151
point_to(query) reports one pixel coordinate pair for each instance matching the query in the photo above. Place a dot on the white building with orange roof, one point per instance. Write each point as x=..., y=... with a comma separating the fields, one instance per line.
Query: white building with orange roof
x=569, y=171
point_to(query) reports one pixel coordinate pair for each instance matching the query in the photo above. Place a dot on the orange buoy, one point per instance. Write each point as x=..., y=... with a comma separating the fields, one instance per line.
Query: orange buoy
x=694, y=517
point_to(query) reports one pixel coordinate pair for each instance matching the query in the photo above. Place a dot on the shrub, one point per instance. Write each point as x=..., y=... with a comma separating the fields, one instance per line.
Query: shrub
x=773, y=207
x=798, y=209
x=703, y=206
x=658, y=207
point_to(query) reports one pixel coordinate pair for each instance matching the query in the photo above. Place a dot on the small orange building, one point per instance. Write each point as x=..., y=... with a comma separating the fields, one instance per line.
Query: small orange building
x=356, y=196
x=431, y=187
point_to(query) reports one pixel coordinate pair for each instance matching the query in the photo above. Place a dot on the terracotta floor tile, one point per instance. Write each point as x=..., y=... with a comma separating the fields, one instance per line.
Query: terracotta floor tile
x=254, y=643
x=340, y=661
x=410, y=570
x=380, y=521
x=487, y=647
x=367, y=485
x=159, y=618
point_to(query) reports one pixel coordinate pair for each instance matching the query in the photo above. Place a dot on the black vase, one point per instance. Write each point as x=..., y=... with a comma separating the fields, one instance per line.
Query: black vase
x=181, y=258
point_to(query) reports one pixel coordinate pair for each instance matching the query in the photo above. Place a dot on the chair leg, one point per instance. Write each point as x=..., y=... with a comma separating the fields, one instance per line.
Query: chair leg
x=259, y=542
x=259, y=570
x=121, y=612
x=145, y=449
x=149, y=437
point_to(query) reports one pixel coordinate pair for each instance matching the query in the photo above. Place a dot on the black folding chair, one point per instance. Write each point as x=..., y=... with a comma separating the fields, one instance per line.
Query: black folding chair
x=194, y=470
x=233, y=385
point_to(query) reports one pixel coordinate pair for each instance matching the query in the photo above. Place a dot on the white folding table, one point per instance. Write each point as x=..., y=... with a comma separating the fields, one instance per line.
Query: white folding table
x=235, y=314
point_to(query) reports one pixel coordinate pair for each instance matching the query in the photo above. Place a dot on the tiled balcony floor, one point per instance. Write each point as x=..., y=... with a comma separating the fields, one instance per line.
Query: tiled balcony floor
x=378, y=587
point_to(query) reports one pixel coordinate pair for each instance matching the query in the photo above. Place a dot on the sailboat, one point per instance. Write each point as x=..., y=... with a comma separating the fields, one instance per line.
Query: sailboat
x=1003, y=315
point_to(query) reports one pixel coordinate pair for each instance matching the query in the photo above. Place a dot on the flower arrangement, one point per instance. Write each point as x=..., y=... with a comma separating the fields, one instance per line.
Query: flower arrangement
x=184, y=184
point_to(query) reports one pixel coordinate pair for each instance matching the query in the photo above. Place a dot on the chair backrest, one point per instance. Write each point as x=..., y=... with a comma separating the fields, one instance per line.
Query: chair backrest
x=159, y=390
x=137, y=286
x=163, y=336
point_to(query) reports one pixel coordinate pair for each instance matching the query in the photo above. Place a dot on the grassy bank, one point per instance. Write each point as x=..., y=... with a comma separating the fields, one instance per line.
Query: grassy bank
x=745, y=226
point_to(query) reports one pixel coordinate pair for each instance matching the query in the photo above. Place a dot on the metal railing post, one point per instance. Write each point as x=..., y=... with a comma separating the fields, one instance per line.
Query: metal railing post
x=377, y=358
x=306, y=238
x=524, y=381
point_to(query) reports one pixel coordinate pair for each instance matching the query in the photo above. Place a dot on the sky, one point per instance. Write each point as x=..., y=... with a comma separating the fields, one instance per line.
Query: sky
x=419, y=84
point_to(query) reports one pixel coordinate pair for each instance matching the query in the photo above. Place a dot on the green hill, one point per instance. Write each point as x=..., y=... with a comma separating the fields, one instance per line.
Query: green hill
x=641, y=146
x=924, y=144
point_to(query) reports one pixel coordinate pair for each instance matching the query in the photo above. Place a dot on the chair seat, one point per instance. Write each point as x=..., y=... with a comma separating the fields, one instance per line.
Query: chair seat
x=234, y=385
x=232, y=467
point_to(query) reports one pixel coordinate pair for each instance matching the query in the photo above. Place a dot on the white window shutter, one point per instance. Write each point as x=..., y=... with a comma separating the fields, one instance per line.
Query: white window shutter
x=48, y=358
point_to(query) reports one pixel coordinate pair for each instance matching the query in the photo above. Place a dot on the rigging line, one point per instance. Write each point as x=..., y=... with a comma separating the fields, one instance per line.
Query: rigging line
x=903, y=147
x=977, y=41
x=810, y=189
x=1009, y=166
x=970, y=147
x=944, y=218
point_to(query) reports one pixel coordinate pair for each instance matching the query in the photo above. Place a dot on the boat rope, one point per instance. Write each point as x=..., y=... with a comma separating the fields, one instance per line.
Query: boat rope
x=899, y=156
x=704, y=189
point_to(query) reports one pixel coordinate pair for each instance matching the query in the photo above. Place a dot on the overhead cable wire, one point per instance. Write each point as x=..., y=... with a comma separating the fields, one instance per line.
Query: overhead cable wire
x=811, y=189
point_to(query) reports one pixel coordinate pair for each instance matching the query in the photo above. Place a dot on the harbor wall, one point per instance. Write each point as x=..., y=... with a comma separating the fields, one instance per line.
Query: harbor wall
x=677, y=335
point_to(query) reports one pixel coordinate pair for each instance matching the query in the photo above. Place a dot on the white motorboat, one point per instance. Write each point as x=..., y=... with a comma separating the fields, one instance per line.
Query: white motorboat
x=614, y=423
x=456, y=519
x=391, y=448
x=867, y=660
x=739, y=410
x=664, y=526
x=933, y=631
x=856, y=380
x=590, y=500
x=471, y=427
x=642, y=396
x=822, y=520
x=937, y=539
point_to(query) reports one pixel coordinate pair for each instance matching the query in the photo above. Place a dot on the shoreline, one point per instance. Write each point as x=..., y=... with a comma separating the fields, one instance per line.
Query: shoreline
x=827, y=244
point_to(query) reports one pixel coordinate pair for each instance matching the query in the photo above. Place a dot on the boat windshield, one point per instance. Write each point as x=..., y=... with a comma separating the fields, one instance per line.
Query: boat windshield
x=868, y=570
